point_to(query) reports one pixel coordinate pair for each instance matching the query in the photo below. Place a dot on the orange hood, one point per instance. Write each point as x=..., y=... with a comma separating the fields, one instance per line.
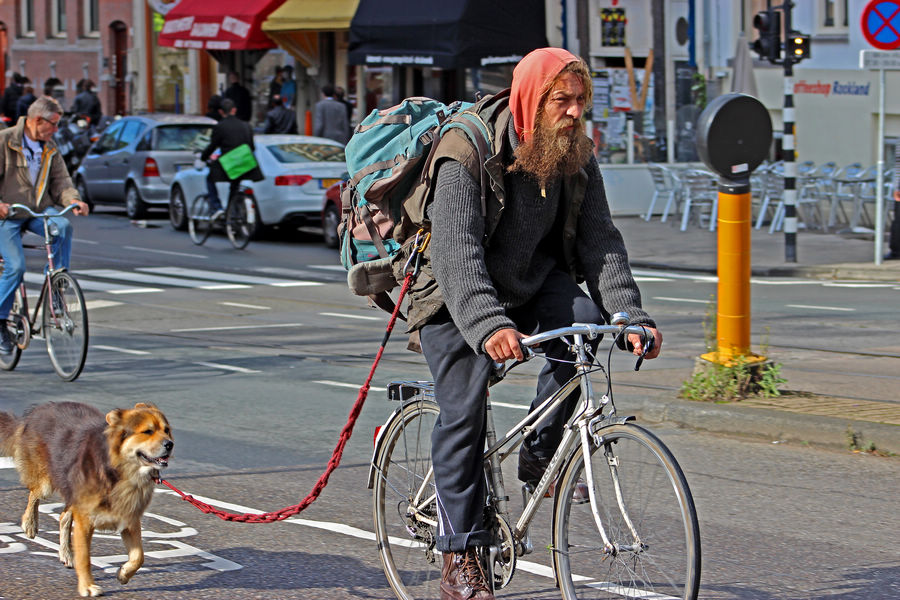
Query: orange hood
x=529, y=78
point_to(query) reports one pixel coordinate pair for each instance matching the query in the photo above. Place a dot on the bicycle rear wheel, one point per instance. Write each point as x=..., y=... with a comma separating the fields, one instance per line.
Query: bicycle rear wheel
x=199, y=223
x=65, y=326
x=240, y=220
x=17, y=323
x=660, y=558
x=404, y=506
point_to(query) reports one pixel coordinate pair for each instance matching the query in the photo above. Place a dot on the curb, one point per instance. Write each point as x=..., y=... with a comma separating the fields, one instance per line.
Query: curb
x=779, y=426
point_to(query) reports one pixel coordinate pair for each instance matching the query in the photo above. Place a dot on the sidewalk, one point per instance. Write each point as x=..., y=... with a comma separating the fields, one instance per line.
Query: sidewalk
x=820, y=420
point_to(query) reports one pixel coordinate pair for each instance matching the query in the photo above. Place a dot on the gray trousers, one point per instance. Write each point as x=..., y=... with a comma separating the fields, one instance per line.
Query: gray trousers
x=461, y=377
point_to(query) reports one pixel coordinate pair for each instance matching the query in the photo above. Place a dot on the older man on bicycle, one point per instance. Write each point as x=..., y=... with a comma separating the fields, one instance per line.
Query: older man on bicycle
x=32, y=173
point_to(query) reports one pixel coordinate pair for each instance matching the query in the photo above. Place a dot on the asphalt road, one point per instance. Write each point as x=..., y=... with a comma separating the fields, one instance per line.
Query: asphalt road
x=257, y=382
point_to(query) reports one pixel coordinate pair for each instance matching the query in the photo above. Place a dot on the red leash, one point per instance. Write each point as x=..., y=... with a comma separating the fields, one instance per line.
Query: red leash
x=290, y=511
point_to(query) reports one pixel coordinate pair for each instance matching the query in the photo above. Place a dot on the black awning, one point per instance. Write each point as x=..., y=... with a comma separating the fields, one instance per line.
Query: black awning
x=449, y=34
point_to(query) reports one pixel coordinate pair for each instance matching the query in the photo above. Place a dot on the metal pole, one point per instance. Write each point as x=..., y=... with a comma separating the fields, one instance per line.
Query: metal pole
x=787, y=145
x=879, y=175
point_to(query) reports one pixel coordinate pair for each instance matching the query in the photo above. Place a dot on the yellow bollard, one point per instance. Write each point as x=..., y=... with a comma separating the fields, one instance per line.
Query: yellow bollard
x=733, y=313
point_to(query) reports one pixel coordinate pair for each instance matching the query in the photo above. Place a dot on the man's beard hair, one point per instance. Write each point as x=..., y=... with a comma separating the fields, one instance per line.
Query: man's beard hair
x=554, y=151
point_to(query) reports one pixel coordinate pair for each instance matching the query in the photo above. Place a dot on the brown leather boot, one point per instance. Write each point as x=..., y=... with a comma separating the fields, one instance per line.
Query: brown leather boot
x=462, y=577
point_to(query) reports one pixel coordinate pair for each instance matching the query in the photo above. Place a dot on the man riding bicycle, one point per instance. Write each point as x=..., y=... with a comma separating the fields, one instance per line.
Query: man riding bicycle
x=32, y=172
x=228, y=134
x=508, y=268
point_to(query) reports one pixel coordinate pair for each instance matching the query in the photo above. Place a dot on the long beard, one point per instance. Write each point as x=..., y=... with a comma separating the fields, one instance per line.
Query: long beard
x=554, y=151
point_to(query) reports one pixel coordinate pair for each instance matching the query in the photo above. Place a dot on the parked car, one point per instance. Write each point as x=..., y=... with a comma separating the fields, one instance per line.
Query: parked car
x=136, y=158
x=331, y=214
x=296, y=169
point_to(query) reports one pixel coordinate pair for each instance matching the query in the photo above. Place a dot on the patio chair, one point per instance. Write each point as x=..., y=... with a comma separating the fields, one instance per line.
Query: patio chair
x=666, y=185
x=847, y=181
x=701, y=198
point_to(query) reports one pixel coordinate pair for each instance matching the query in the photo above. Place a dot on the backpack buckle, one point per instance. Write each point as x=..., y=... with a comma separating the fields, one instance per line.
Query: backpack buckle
x=420, y=242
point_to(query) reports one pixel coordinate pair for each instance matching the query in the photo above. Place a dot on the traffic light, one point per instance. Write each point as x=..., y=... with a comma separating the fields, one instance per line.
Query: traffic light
x=768, y=45
x=799, y=46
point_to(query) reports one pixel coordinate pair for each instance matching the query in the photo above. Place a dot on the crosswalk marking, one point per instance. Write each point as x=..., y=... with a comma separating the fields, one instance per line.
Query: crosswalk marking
x=219, y=276
x=96, y=286
x=160, y=280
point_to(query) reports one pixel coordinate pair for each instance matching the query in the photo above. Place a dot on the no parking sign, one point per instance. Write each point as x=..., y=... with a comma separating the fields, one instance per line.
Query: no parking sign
x=881, y=24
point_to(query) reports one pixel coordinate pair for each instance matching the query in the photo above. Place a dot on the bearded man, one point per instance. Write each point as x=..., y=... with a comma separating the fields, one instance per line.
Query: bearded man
x=506, y=266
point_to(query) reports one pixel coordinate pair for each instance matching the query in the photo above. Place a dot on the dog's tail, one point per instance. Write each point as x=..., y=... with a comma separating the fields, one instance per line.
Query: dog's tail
x=8, y=425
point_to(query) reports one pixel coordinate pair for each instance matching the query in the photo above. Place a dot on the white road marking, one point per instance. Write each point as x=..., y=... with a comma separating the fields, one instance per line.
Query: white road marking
x=165, y=252
x=95, y=304
x=668, y=299
x=646, y=278
x=649, y=273
x=812, y=307
x=226, y=367
x=220, y=276
x=240, y=305
x=160, y=280
x=117, y=349
x=354, y=386
x=328, y=267
x=97, y=286
x=6, y=463
x=346, y=316
x=850, y=284
x=232, y=327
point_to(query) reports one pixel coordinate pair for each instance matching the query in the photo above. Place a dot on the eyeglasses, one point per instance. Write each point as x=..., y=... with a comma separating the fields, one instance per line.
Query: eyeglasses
x=54, y=124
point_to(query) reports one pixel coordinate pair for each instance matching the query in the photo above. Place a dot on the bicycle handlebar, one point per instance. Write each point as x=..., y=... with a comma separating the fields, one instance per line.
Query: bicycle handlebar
x=590, y=330
x=43, y=215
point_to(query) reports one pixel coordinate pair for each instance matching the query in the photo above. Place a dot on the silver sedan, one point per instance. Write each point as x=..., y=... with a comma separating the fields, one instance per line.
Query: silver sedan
x=297, y=169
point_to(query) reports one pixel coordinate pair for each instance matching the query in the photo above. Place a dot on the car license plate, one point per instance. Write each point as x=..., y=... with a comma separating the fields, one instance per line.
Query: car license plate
x=327, y=183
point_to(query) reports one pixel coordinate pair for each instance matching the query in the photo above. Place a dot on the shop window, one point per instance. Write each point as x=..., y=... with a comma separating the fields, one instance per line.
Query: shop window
x=26, y=18
x=58, y=18
x=91, y=15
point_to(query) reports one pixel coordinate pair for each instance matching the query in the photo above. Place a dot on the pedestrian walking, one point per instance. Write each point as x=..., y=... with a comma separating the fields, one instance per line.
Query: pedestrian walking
x=330, y=118
x=280, y=119
x=288, y=86
x=87, y=104
x=11, y=95
x=25, y=100
x=894, y=240
x=240, y=95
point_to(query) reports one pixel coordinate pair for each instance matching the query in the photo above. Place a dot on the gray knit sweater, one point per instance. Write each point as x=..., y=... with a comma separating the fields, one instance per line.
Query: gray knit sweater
x=479, y=283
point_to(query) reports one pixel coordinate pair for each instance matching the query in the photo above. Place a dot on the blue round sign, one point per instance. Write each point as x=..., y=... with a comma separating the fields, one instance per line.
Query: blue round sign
x=881, y=24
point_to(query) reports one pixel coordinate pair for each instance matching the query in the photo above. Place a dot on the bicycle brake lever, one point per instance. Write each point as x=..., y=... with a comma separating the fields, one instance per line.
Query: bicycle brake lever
x=640, y=361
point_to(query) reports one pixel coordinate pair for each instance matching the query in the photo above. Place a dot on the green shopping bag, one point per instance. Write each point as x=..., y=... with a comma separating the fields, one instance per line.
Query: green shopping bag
x=238, y=161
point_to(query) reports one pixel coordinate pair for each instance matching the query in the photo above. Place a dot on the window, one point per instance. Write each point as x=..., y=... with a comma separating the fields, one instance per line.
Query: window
x=130, y=132
x=183, y=137
x=58, y=18
x=107, y=141
x=833, y=16
x=298, y=153
x=91, y=14
x=26, y=18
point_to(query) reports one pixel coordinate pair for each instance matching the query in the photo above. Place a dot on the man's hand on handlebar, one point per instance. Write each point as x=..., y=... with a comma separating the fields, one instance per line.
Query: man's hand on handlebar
x=4, y=210
x=635, y=340
x=81, y=208
x=504, y=345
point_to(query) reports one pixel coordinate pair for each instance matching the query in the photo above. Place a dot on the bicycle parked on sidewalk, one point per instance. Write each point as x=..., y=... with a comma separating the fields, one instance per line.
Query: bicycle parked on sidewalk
x=64, y=320
x=635, y=536
x=239, y=219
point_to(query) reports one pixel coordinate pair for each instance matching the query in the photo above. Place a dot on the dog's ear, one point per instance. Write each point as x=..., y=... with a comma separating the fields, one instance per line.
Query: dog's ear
x=145, y=405
x=114, y=417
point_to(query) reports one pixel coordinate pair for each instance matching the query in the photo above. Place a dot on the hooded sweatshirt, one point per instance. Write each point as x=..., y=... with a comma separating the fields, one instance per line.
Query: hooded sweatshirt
x=531, y=76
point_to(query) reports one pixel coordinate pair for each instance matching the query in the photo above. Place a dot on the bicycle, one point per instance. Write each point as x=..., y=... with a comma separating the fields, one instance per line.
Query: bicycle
x=636, y=536
x=239, y=216
x=64, y=322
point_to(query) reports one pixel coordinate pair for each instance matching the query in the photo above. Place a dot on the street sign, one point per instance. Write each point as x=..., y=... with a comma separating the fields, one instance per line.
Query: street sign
x=881, y=24
x=878, y=59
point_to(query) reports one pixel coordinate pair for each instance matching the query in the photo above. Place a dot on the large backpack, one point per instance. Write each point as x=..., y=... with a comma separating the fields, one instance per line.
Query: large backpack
x=388, y=158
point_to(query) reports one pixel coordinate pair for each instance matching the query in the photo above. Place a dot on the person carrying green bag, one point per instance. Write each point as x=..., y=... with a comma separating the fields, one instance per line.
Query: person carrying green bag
x=234, y=140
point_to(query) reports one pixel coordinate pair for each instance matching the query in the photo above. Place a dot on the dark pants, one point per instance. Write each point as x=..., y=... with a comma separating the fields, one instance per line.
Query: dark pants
x=212, y=194
x=461, y=376
x=894, y=239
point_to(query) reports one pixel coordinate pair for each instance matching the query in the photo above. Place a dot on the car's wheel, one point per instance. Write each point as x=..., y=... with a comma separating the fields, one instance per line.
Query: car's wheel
x=134, y=206
x=178, y=209
x=81, y=186
x=331, y=218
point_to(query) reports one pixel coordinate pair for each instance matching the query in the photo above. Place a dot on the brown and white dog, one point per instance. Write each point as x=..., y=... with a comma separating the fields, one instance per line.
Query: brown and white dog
x=104, y=469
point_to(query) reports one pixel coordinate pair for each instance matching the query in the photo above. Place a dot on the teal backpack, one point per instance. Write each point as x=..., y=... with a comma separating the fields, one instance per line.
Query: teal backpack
x=388, y=158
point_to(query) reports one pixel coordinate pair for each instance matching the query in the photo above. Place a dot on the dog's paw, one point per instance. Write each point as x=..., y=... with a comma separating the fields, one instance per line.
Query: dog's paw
x=30, y=528
x=125, y=573
x=91, y=591
x=66, y=558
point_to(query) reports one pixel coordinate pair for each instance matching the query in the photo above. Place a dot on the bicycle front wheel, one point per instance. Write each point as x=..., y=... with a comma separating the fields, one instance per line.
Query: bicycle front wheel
x=404, y=507
x=240, y=220
x=199, y=223
x=18, y=326
x=648, y=514
x=65, y=326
